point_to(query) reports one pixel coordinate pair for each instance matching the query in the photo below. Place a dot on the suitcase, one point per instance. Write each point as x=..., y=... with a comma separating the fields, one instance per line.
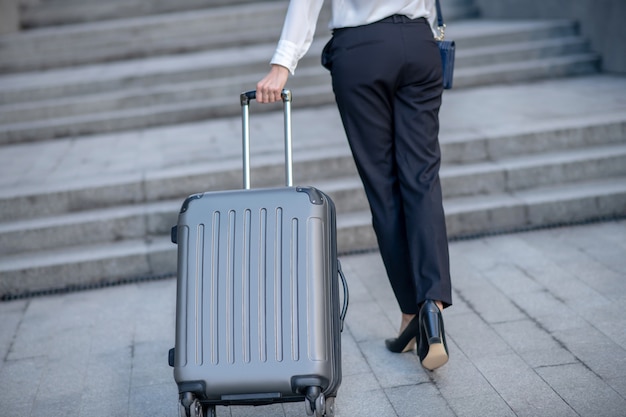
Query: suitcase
x=258, y=315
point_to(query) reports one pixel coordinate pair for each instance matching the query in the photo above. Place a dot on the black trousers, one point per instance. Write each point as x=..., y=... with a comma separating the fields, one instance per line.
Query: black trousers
x=387, y=82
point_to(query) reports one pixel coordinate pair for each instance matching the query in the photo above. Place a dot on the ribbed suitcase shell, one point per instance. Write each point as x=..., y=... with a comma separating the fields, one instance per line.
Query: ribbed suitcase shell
x=257, y=297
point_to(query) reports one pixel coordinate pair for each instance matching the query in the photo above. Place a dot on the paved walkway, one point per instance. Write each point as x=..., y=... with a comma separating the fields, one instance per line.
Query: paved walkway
x=537, y=329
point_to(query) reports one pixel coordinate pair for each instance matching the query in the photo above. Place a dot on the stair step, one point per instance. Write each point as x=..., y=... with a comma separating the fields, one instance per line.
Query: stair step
x=85, y=193
x=213, y=85
x=66, y=12
x=511, y=175
x=216, y=63
x=138, y=117
x=318, y=154
x=514, y=175
x=458, y=10
x=483, y=32
x=41, y=14
x=531, y=171
x=523, y=51
x=185, y=88
x=556, y=204
x=82, y=266
x=158, y=96
x=520, y=138
x=135, y=73
x=88, y=227
x=90, y=264
x=123, y=39
x=536, y=69
x=313, y=85
x=476, y=215
x=213, y=28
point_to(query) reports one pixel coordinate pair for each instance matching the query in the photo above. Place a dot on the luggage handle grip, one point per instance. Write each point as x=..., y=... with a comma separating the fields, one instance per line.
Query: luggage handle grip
x=245, y=129
x=346, y=295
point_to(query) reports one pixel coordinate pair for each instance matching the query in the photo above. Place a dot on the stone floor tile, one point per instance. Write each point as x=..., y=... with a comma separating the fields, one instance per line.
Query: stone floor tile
x=609, y=319
x=489, y=303
x=366, y=321
x=109, y=372
x=270, y=410
x=510, y=279
x=537, y=264
x=541, y=303
x=525, y=392
x=534, y=344
x=59, y=406
x=422, y=400
x=459, y=307
x=362, y=396
x=561, y=320
x=153, y=400
x=474, y=337
x=150, y=364
x=618, y=384
x=460, y=377
x=354, y=271
x=352, y=359
x=103, y=401
x=294, y=409
x=583, y=390
x=19, y=382
x=11, y=313
x=599, y=353
x=393, y=369
x=486, y=405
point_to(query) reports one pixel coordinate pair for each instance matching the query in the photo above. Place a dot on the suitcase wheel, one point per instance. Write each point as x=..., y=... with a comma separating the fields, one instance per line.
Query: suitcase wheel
x=330, y=407
x=192, y=410
x=309, y=407
x=189, y=406
x=209, y=411
x=316, y=405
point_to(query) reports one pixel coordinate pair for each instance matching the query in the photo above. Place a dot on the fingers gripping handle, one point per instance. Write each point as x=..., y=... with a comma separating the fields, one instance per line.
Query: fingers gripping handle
x=245, y=129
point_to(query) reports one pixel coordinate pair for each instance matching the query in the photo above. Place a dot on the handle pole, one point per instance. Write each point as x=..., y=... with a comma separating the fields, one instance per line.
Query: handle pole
x=286, y=96
x=245, y=129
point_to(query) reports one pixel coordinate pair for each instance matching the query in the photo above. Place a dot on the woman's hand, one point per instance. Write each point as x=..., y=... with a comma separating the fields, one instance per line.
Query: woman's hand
x=269, y=89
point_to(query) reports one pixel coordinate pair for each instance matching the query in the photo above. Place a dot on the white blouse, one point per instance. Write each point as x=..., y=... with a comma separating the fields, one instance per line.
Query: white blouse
x=302, y=15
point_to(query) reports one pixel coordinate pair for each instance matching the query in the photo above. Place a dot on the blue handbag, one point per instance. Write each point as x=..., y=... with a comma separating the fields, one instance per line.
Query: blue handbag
x=446, y=49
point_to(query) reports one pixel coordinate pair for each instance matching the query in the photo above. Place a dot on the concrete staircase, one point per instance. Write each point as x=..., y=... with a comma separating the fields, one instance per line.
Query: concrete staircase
x=106, y=126
x=164, y=89
x=46, y=13
x=42, y=13
x=458, y=9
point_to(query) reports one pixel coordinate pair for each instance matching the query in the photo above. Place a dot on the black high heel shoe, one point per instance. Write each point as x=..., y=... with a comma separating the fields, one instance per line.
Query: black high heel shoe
x=432, y=349
x=403, y=343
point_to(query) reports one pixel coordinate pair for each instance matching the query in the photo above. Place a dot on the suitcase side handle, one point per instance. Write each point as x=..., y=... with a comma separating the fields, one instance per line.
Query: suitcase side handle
x=245, y=130
x=346, y=295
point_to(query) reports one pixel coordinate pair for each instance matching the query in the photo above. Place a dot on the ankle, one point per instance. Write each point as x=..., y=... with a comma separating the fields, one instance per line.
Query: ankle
x=406, y=319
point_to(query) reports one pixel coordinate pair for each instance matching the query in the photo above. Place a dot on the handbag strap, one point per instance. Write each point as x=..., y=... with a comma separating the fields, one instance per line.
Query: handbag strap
x=441, y=26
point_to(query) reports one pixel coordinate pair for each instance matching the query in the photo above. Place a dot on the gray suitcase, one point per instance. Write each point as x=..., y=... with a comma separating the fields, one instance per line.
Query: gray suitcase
x=258, y=316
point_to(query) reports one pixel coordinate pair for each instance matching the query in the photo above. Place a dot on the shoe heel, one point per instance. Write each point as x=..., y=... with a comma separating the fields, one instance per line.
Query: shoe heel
x=433, y=351
x=405, y=342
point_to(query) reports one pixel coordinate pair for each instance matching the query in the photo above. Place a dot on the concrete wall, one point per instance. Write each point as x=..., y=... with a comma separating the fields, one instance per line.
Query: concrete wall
x=9, y=16
x=603, y=22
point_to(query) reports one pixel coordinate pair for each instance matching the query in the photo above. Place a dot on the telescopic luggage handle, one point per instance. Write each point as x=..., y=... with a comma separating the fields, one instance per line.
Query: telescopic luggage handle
x=245, y=129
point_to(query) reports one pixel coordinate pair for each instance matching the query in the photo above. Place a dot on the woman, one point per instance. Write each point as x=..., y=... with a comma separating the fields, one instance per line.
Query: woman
x=386, y=76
